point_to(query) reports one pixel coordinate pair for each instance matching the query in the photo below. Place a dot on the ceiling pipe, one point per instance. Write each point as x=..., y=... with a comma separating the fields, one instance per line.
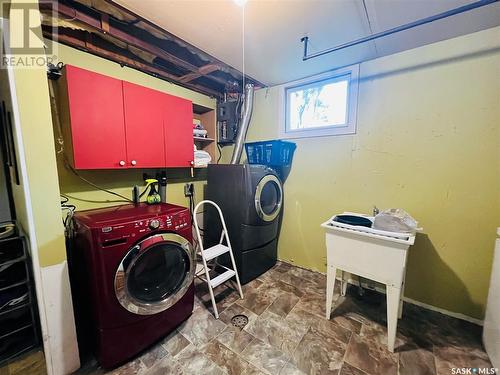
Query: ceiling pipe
x=423, y=21
x=245, y=121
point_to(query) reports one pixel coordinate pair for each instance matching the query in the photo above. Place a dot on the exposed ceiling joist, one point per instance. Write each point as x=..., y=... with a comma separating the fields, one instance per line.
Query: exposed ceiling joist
x=102, y=26
x=203, y=73
x=206, y=69
x=89, y=44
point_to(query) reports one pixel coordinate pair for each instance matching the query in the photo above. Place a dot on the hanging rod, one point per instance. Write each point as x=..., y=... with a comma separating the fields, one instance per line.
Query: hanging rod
x=423, y=21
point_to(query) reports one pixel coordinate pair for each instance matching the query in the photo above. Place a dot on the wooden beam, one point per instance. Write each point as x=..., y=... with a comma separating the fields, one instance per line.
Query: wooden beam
x=209, y=68
x=89, y=45
x=103, y=26
x=104, y=23
x=189, y=77
x=237, y=75
x=203, y=71
x=95, y=24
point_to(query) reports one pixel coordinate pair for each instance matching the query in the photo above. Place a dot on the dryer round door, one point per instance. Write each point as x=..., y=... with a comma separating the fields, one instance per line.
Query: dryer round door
x=155, y=274
x=268, y=197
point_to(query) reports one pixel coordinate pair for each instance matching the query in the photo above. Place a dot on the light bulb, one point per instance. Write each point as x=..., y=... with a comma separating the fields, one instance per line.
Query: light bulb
x=240, y=3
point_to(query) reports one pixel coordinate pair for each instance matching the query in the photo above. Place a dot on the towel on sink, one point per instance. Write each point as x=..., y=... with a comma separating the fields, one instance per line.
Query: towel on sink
x=395, y=220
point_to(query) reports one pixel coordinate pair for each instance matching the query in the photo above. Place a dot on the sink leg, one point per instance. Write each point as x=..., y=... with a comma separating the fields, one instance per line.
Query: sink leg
x=330, y=287
x=393, y=298
x=343, y=285
x=400, y=310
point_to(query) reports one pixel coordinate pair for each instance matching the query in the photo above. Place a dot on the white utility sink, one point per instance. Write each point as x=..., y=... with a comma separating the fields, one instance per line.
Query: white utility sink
x=373, y=254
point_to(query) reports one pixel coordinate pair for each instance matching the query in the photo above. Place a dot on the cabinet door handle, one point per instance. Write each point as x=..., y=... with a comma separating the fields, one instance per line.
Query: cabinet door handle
x=122, y=163
x=133, y=162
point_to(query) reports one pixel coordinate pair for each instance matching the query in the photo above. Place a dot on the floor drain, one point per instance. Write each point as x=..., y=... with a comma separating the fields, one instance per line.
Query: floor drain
x=239, y=321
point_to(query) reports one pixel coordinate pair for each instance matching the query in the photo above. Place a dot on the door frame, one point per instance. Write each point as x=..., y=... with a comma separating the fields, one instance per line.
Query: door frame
x=53, y=296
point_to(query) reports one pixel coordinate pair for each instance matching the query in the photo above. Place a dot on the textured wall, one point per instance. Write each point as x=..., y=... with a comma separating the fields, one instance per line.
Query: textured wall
x=428, y=140
x=31, y=91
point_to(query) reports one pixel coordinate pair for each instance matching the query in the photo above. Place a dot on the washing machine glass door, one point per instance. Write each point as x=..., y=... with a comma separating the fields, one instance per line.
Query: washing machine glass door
x=155, y=274
x=268, y=197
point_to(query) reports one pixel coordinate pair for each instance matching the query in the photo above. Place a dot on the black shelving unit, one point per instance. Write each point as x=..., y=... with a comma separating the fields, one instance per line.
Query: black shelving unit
x=19, y=325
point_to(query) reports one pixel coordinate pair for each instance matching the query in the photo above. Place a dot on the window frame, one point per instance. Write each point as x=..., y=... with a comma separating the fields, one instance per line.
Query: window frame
x=352, y=104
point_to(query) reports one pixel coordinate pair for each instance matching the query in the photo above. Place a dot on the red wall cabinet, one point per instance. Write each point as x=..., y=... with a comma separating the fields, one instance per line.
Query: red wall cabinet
x=95, y=110
x=144, y=126
x=117, y=124
x=178, y=132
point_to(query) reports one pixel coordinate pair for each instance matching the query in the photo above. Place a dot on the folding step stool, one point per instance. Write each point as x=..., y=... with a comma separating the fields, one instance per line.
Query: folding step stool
x=212, y=253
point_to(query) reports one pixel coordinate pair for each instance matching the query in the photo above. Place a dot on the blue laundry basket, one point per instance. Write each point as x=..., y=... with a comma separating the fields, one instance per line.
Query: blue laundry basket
x=275, y=153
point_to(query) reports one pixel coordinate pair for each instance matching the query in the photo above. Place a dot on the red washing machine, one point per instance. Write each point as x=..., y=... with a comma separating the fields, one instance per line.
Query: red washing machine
x=132, y=270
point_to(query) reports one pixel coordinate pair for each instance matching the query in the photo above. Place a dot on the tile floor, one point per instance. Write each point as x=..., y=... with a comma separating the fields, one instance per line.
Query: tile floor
x=288, y=334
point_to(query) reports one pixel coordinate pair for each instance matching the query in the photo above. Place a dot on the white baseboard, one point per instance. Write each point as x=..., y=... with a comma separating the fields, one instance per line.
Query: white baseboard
x=61, y=337
x=469, y=319
x=381, y=289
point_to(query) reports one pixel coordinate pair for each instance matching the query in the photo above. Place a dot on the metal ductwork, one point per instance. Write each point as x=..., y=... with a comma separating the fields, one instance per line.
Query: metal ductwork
x=245, y=121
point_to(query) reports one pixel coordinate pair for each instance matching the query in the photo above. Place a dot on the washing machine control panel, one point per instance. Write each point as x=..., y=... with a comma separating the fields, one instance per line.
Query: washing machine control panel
x=154, y=224
x=138, y=228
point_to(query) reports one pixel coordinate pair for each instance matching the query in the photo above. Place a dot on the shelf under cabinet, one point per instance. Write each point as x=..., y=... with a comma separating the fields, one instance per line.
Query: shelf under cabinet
x=23, y=341
x=203, y=139
x=27, y=304
x=17, y=330
x=13, y=285
x=21, y=347
x=18, y=323
x=12, y=261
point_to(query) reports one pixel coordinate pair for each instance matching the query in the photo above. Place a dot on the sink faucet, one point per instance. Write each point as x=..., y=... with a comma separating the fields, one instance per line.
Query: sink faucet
x=376, y=211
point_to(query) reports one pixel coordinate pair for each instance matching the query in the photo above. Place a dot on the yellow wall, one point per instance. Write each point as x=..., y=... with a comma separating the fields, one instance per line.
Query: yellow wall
x=36, y=123
x=428, y=141
x=122, y=181
x=31, y=91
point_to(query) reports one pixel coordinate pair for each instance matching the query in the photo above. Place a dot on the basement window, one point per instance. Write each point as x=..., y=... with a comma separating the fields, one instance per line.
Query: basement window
x=322, y=105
